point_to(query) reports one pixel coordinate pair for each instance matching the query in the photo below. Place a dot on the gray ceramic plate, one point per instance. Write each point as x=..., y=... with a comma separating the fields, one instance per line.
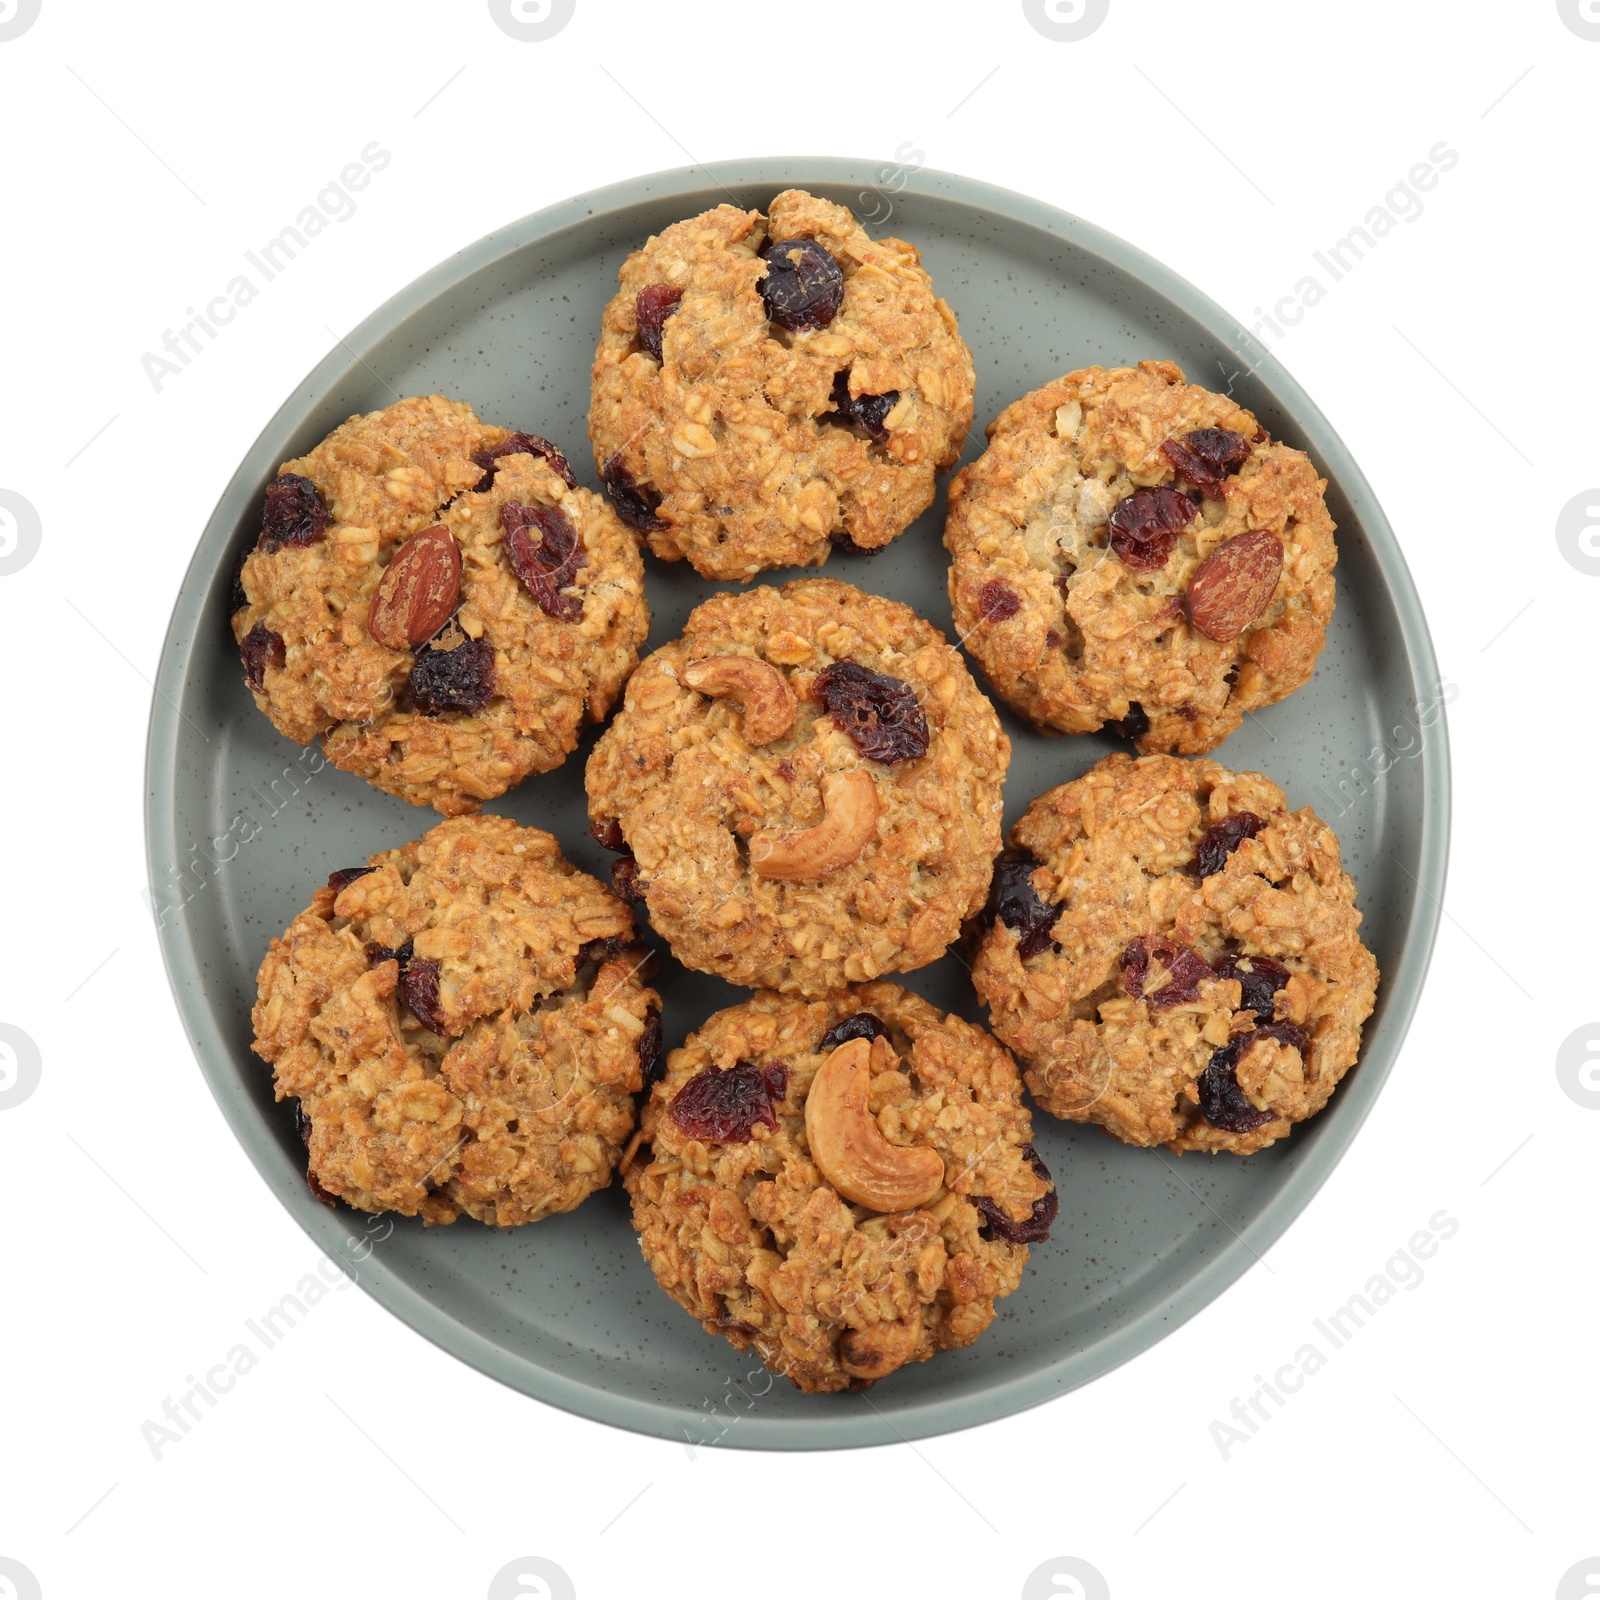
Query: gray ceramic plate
x=566, y=1310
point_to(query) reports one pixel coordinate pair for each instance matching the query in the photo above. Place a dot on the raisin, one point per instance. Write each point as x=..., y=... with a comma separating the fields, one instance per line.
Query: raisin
x=293, y=514
x=548, y=565
x=1222, y=838
x=1289, y=1033
x=607, y=833
x=605, y=949
x=652, y=1059
x=1134, y=723
x=1034, y=1229
x=804, y=287
x=453, y=680
x=998, y=601
x=840, y=540
x=1015, y=901
x=864, y=411
x=1185, y=968
x=237, y=598
x=1202, y=459
x=636, y=503
x=312, y=1182
x=725, y=1106
x=863, y=1025
x=344, y=875
x=881, y=714
x=302, y=1123
x=1222, y=1102
x=377, y=954
x=419, y=988
x=1259, y=979
x=1146, y=525
x=261, y=648
x=522, y=444
x=651, y=307
x=625, y=880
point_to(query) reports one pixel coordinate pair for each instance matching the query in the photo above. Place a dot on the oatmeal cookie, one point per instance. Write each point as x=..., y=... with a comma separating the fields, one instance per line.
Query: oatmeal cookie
x=463, y=1023
x=842, y=1186
x=1134, y=551
x=1174, y=955
x=806, y=786
x=438, y=600
x=764, y=384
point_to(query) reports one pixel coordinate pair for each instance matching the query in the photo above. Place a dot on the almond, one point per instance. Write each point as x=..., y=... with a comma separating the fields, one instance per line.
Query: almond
x=1235, y=584
x=418, y=591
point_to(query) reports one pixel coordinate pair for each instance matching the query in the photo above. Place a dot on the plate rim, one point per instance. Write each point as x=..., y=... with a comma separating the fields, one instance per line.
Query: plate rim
x=827, y=1428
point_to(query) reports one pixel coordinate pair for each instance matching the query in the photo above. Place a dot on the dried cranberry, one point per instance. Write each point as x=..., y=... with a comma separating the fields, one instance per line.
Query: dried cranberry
x=1222, y=838
x=625, y=880
x=1259, y=979
x=863, y=1025
x=1134, y=724
x=315, y=1185
x=652, y=1059
x=881, y=714
x=651, y=307
x=419, y=988
x=607, y=833
x=1014, y=900
x=1289, y=1033
x=261, y=648
x=1185, y=969
x=1222, y=1102
x=864, y=411
x=725, y=1106
x=302, y=1123
x=345, y=875
x=1202, y=459
x=636, y=503
x=1035, y=1229
x=453, y=680
x=377, y=954
x=1146, y=525
x=803, y=287
x=998, y=601
x=522, y=444
x=547, y=565
x=293, y=513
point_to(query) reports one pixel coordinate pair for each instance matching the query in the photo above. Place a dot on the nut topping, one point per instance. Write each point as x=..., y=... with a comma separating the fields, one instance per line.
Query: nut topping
x=875, y=1352
x=762, y=691
x=418, y=591
x=1235, y=584
x=848, y=1146
x=849, y=822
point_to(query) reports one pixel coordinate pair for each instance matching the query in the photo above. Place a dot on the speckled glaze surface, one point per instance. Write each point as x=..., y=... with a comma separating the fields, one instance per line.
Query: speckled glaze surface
x=241, y=825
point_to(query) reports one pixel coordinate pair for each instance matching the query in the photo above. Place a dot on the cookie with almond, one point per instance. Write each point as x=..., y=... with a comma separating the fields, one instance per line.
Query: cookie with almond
x=437, y=600
x=463, y=1023
x=1133, y=552
x=1175, y=955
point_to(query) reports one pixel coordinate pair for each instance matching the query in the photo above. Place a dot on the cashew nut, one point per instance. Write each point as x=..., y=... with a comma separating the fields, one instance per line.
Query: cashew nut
x=849, y=821
x=877, y=1351
x=762, y=691
x=848, y=1146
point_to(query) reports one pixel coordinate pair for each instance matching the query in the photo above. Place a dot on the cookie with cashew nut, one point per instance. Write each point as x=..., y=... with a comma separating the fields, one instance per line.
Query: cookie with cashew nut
x=805, y=788
x=437, y=599
x=1175, y=955
x=1135, y=553
x=769, y=386
x=842, y=1186
x=462, y=1024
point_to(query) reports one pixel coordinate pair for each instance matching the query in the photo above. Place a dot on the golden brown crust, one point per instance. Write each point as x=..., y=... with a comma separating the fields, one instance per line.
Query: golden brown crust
x=1090, y=636
x=1117, y=851
x=677, y=772
x=751, y=1238
x=385, y=477
x=730, y=426
x=521, y=1106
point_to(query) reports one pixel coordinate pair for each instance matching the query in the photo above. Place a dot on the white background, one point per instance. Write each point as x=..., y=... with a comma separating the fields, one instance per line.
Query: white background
x=1446, y=1448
